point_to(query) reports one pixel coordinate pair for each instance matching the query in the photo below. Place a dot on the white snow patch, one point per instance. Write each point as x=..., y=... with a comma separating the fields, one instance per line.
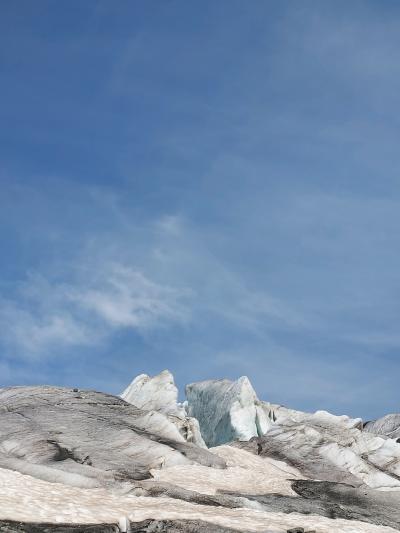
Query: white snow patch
x=23, y=498
x=246, y=474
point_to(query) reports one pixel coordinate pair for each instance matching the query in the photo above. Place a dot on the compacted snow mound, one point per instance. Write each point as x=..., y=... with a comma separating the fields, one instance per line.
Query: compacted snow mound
x=159, y=394
x=226, y=410
x=388, y=425
x=86, y=438
x=333, y=448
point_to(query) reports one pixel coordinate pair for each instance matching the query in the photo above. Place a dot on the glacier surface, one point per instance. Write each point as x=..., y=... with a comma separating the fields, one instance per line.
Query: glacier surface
x=388, y=425
x=75, y=461
x=159, y=394
x=226, y=410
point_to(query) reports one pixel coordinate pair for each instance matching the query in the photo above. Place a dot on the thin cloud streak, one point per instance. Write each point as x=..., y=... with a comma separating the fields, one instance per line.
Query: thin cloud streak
x=179, y=282
x=45, y=315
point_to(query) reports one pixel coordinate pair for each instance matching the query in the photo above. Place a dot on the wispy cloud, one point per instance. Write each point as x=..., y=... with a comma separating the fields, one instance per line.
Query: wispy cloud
x=33, y=332
x=45, y=315
x=126, y=298
x=177, y=279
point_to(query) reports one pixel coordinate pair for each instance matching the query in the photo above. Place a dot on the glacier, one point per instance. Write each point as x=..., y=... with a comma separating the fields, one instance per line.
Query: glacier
x=388, y=425
x=159, y=394
x=223, y=461
x=226, y=410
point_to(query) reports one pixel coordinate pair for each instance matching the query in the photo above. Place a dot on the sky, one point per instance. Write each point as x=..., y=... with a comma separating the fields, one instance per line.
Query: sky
x=208, y=187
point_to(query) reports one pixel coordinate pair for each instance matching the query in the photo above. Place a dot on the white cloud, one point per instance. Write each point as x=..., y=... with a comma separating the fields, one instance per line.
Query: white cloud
x=33, y=332
x=172, y=275
x=44, y=315
x=127, y=298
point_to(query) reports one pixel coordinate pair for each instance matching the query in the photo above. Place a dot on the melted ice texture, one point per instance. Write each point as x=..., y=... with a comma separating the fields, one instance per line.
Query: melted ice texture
x=226, y=410
x=24, y=498
x=321, y=445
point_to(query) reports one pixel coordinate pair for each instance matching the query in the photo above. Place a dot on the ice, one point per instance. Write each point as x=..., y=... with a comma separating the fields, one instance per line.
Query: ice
x=159, y=394
x=226, y=410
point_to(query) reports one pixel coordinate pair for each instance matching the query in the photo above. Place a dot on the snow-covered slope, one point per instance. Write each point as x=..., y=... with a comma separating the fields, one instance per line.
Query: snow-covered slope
x=333, y=448
x=388, y=425
x=96, y=463
x=26, y=499
x=160, y=394
x=87, y=438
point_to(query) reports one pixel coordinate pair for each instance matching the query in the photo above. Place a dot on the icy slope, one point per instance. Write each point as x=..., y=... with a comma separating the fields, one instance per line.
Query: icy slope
x=98, y=464
x=87, y=438
x=332, y=448
x=226, y=410
x=159, y=394
x=388, y=425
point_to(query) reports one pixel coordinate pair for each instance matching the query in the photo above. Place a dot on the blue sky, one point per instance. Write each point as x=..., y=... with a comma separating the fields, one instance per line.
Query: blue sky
x=209, y=187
